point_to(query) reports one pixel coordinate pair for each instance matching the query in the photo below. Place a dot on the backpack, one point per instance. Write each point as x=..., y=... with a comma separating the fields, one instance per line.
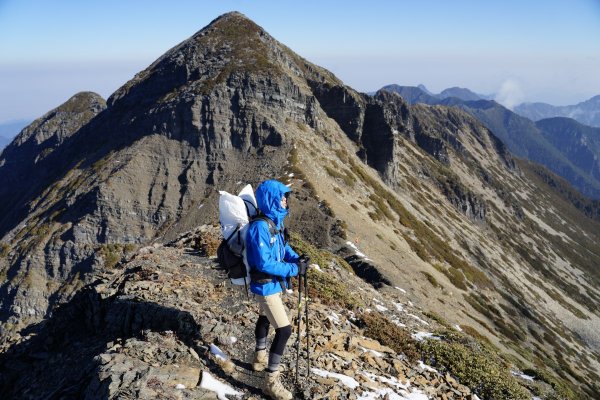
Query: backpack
x=235, y=212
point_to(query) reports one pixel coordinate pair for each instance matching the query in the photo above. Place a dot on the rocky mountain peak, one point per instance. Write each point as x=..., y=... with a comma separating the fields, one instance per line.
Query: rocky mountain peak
x=62, y=122
x=427, y=191
x=230, y=45
x=42, y=137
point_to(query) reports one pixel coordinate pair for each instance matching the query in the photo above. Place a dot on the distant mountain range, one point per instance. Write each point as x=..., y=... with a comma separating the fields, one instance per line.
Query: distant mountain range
x=563, y=145
x=587, y=112
x=580, y=143
x=420, y=94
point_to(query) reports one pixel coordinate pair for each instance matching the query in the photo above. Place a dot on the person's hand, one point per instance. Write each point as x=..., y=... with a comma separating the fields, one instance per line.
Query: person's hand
x=303, y=264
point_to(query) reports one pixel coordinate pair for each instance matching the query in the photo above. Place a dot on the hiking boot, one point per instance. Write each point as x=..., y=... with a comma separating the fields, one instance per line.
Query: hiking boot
x=273, y=387
x=259, y=363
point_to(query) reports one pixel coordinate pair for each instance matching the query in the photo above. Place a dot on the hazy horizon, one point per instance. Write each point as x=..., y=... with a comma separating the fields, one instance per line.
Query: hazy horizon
x=541, y=51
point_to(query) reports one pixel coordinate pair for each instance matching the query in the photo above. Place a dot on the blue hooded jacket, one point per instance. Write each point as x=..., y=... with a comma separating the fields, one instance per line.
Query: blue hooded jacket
x=267, y=254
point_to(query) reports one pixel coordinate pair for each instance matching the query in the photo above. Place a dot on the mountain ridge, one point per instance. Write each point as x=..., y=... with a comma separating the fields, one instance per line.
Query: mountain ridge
x=523, y=137
x=430, y=194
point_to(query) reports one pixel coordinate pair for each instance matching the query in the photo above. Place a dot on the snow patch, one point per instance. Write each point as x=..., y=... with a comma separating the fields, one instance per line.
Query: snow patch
x=397, y=322
x=389, y=394
x=523, y=376
x=180, y=386
x=217, y=352
x=426, y=367
x=381, y=308
x=344, y=379
x=356, y=251
x=374, y=352
x=418, y=319
x=416, y=395
x=334, y=318
x=420, y=336
x=399, y=307
x=400, y=289
x=390, y=381
x=458, y=328
x=222, y=390
x=386, y=393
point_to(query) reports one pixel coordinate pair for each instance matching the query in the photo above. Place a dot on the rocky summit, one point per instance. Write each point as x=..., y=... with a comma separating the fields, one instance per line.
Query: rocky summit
x=449, y=268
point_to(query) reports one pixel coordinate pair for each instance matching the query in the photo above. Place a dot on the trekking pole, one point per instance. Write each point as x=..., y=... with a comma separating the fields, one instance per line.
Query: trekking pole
x=307, y=325
x=298, y=326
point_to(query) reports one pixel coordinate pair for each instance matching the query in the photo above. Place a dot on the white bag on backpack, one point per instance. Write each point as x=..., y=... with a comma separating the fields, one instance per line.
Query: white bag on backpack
x=247, y=194
x=234, y=214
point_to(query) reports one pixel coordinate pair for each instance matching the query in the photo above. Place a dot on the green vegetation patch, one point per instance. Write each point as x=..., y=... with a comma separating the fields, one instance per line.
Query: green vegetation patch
x=326, y=285
x=431, y=279
x=561, y=390
x=331, y=290
x=4, y=249
x=345, y=176
x=456, y=277
x=294, y=162
x=485, y=307
x=475, y=364
x=474, y=333
x=378, y=327
x=112, y=253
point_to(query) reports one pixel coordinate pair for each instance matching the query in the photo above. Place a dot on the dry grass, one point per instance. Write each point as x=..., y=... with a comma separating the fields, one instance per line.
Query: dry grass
x=207, y=243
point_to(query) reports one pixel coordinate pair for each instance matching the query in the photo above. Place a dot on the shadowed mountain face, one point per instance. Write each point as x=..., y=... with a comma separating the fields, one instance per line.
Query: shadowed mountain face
x=433, y=198
x=22, y=165
x=523, y=137
x=579, y=143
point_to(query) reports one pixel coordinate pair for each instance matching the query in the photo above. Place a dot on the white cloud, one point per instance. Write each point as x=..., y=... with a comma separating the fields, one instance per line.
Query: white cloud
x=510, y=94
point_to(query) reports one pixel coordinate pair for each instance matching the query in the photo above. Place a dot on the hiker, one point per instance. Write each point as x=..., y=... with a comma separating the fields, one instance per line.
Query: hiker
x=272, y=263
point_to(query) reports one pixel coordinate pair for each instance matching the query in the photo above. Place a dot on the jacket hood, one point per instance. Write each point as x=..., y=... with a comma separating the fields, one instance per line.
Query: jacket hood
x=268, y=199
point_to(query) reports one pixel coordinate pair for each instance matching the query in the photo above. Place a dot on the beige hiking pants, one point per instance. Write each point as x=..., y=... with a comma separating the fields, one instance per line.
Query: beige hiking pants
x=272, y=307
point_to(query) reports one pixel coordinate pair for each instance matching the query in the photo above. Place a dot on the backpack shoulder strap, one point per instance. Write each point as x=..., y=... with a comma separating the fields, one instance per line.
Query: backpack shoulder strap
x=236, y=230
x=272, y=228
x=248, y=204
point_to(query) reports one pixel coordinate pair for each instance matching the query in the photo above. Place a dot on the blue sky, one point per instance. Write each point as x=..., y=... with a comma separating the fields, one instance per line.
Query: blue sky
x=529, y=50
